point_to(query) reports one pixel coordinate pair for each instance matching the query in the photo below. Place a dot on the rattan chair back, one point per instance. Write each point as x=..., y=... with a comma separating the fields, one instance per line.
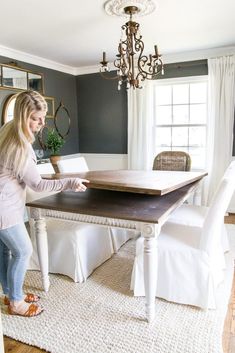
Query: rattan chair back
x=172, y=160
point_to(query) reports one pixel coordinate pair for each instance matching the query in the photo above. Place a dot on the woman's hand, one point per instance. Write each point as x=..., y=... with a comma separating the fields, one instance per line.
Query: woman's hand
x=78, y=185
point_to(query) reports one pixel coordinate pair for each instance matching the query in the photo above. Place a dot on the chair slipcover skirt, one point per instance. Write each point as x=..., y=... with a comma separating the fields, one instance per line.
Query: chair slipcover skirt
x=186, y=274
x=75, y=249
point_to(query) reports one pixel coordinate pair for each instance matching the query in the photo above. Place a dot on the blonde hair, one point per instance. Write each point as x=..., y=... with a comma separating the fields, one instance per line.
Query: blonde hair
x=16, y=134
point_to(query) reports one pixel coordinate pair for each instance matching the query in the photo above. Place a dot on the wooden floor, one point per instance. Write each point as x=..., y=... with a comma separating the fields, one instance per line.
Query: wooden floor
x=12, y=346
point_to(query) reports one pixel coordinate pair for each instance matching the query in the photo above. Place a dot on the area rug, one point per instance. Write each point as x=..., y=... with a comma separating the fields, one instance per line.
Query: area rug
x=102, y=316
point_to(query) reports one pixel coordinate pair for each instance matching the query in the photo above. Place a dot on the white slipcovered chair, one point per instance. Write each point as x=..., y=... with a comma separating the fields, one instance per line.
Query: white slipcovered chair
x=195, y=215
x=79, y=165
x=72, y=165
x=191, y=259
x=74, y=249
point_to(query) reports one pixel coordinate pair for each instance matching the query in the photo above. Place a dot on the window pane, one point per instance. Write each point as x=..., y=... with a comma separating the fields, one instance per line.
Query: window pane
x=197, y=158
x=180, y=114
x=198, y=113
x=161, y=149
x=183, y=149
x=181, y=94
x=182, y=107
x=163, y=136
x=163, y=95
x=198, y=92
x=197, y=136
x=163, y=115
x=179, y=136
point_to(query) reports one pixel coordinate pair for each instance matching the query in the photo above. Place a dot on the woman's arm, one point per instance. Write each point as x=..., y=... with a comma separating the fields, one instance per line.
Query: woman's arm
x=32, y=179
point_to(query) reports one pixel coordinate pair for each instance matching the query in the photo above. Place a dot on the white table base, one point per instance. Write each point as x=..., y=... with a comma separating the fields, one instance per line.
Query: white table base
x=148, y=231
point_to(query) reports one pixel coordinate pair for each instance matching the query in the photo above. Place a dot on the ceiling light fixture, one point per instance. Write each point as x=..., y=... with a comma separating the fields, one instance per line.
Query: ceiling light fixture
x=132, y=66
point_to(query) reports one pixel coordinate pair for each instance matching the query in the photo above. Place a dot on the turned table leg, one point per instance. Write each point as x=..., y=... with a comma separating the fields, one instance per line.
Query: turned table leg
x=42, y=248
x=150, y=233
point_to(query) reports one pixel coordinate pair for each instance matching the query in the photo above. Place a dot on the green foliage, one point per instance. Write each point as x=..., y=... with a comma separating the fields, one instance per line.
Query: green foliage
x=54, y=142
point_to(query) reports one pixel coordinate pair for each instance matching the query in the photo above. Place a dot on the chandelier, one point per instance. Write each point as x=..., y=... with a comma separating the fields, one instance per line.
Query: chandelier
x=133, y=67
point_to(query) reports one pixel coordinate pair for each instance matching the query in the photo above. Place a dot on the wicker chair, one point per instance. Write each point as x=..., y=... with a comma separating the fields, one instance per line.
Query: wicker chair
x=172, y=160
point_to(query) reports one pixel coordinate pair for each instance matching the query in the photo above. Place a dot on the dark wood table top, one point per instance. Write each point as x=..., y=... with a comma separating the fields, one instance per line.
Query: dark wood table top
x=114, y=204
x=144, y=182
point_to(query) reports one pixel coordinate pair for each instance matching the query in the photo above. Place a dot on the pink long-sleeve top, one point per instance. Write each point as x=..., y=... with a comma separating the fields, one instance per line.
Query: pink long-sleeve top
x=13, y=190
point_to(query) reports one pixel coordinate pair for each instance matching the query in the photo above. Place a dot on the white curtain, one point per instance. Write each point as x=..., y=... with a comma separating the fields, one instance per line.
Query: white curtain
x=140, y=127
x=221, y=118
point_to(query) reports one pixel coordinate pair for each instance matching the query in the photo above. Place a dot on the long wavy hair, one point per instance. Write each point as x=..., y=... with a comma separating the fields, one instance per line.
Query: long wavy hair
x=16, y=134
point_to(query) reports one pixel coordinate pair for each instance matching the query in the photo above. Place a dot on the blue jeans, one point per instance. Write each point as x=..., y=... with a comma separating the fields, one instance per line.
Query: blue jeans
x=15, y=251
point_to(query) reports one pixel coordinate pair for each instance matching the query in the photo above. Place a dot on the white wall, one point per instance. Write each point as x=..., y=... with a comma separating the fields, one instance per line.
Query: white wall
x=97, y=161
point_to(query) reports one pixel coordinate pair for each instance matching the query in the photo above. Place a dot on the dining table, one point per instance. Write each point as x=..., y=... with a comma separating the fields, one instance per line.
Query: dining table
x=130, y=199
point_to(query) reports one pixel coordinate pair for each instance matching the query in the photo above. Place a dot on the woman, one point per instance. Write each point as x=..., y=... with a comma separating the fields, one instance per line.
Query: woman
x=18, y=170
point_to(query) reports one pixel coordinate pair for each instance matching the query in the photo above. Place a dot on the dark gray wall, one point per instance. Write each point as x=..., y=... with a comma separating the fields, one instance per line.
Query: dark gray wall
x=98, y=110
x=102, y=115
x=102, y=109
x=61, y=86
x=184, y=69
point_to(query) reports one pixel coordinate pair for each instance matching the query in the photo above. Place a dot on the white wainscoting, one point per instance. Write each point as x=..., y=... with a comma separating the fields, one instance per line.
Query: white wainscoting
x=99, y=161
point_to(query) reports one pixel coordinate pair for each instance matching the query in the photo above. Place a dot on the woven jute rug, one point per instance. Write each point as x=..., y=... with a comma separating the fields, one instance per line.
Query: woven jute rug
x=102, y=316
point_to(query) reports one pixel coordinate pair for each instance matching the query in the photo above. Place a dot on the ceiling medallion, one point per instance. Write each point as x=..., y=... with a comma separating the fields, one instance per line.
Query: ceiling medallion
x=117, y=7
x=133, y=67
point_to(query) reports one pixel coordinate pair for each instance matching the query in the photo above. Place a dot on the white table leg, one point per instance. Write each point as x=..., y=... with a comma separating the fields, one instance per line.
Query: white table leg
x=197, y=196
x=42, y=248
x=150, y=233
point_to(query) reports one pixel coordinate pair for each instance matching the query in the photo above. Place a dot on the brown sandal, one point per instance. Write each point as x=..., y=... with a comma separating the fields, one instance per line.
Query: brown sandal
x=29, y=298
x=32, y=311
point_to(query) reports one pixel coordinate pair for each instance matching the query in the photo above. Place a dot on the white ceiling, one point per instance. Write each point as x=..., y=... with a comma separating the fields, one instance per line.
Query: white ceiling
x=75, y=32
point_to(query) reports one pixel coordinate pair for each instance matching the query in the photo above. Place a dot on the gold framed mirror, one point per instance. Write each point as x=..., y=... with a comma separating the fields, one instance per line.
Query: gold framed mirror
x=61, y=115
x=35, y=82
x=16, y=78
x=51, y=107
x=8, y=108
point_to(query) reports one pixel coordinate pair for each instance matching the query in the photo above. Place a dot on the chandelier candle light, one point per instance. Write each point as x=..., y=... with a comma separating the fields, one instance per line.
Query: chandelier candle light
x=132, y=66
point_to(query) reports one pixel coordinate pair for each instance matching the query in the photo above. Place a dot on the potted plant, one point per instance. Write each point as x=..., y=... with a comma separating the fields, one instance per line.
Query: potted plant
x=54, y=142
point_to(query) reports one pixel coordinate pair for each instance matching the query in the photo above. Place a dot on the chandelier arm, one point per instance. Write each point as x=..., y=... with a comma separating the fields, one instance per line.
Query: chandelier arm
x=156, y=64
x=120, y=63
x=160, y=61
x=139, y=44
x=147, y=74
x=142, y=60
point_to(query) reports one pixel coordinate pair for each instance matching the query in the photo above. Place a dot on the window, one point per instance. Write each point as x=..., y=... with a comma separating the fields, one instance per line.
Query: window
x=181, y=117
